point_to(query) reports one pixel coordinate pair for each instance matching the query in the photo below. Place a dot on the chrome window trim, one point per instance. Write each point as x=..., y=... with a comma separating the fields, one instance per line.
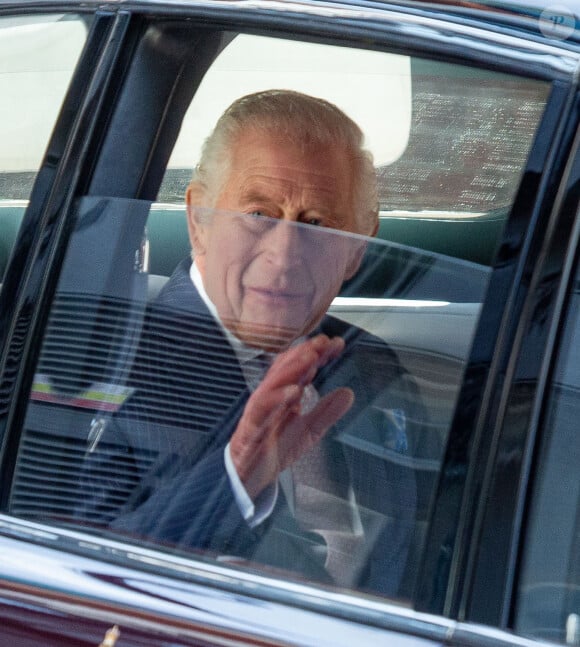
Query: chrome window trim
x=114, y=554
x=550, y=358
x=561, y=58
x=118, y=561
x=181, y=603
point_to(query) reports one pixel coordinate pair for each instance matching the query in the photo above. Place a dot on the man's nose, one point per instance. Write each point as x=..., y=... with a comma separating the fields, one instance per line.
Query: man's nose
x=284, y=244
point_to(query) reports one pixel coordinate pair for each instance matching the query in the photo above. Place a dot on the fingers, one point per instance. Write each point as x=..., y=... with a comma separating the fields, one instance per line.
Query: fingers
x=280, y=392
x=265, y=409
x=332, y=407
x=328, y=412
x=262, y=447
x=302, y=432
x=299, y=364
x=272, y=433
x=254, y=448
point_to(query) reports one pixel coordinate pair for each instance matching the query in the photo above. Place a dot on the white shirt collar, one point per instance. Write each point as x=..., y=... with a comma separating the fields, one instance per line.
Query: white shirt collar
x=243, y=352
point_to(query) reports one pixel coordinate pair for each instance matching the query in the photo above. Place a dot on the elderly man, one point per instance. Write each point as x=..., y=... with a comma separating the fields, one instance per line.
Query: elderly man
x=260, y=427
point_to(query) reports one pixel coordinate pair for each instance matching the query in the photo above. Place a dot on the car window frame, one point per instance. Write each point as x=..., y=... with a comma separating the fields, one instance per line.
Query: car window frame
x=129, y=30
x=544, y=316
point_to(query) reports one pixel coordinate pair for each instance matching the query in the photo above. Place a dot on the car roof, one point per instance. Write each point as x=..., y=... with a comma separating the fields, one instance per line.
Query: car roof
x=531, y=7
x=515, y=7
x=530, y=16
x=554, y=22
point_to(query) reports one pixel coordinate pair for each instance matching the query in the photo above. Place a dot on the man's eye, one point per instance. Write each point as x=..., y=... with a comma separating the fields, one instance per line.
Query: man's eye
x=257, y=221
x=316, y=222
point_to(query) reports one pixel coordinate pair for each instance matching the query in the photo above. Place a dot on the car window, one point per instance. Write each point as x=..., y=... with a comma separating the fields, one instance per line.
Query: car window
x=447, y=140
x=37, y=57
x=188, y=412
x=547, y=595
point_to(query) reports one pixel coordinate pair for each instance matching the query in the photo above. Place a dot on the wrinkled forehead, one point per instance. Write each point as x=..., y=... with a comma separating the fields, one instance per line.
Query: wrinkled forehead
x=292, y=164
x=291, y=141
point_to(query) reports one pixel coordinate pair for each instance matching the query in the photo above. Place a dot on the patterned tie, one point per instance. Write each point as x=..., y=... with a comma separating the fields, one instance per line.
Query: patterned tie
x=324, y=503
x=317, y=489
x=254, y=368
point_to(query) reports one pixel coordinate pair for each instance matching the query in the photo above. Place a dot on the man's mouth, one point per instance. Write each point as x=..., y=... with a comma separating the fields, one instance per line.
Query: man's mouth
x=274, y=294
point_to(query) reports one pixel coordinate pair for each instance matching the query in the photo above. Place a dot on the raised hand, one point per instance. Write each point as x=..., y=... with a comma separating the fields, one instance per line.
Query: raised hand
x=273, y=432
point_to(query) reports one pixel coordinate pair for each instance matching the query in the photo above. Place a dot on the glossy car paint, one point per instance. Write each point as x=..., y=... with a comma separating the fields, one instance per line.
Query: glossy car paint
x=83, y=597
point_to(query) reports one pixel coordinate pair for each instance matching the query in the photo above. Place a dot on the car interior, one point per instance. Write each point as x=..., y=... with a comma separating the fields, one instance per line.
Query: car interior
x=420, y=286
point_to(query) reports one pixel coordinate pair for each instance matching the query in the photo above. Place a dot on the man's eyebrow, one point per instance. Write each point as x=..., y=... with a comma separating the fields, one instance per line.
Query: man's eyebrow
x=253, y=193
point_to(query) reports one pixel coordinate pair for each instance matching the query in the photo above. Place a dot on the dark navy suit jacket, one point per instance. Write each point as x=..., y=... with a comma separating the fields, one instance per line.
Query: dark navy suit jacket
x=158, y=472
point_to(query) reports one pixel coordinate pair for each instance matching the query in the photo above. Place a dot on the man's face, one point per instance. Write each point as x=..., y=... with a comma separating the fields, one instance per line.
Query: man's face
x=269, y=253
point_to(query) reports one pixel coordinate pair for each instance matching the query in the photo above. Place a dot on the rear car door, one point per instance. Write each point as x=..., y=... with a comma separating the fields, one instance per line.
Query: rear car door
x=475, y=174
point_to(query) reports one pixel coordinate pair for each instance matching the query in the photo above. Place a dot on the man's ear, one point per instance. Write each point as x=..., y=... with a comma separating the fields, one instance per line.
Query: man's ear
x=194, y=200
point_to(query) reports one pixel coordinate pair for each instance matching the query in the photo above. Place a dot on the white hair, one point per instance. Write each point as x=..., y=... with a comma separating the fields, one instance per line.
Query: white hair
x=303, y=119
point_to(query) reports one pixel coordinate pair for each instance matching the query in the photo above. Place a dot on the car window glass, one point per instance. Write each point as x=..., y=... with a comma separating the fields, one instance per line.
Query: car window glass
x=447, y=140
x=547, y=598
x=37, y=57
x=144, y=381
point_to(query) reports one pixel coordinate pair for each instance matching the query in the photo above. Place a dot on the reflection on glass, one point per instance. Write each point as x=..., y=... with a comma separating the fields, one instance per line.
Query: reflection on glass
x=548, y=594
x=271, y=281
x=281, y=403
x=38, y=54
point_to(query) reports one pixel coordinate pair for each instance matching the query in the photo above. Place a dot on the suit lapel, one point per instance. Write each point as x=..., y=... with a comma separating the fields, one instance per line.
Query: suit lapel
x=186, y=373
